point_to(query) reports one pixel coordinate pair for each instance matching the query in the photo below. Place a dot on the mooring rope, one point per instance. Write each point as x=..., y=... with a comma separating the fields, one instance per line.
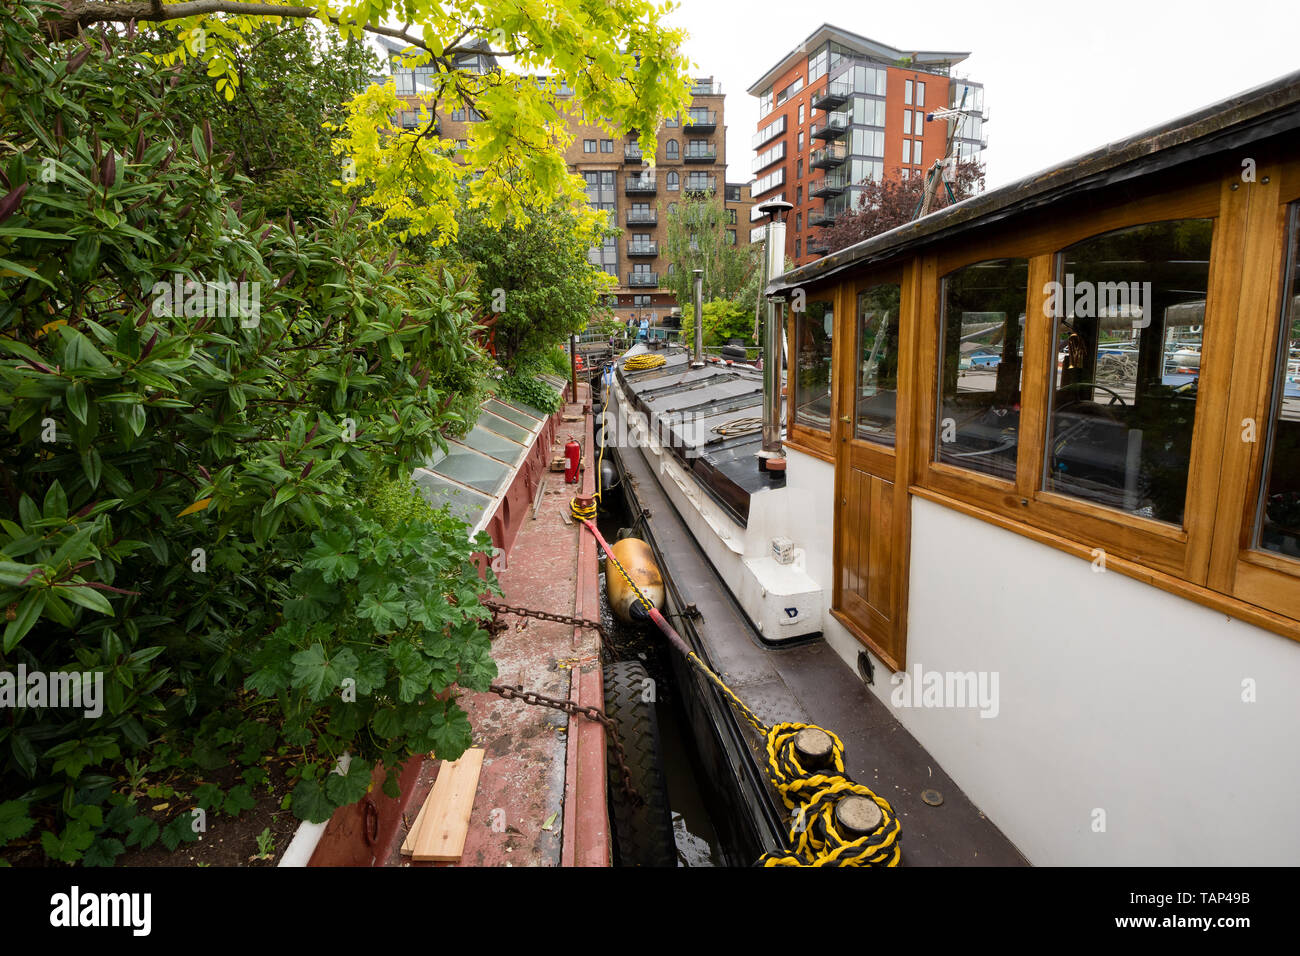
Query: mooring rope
x=643, y=362
x=810, y=795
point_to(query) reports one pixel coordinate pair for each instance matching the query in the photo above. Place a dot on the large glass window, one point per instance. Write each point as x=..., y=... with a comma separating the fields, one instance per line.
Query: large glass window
x=671, y=149
x=877, y=375
x=982, y=349
x=812, y=378
x=1279, y=520
x=1129, y=309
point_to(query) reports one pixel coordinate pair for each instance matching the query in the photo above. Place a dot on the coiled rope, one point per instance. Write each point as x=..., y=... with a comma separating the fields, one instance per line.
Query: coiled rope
x=810, y=795
x=643, y=362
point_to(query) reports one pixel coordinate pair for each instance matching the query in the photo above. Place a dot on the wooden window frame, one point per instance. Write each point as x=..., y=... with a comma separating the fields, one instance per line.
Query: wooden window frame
x=803, y=438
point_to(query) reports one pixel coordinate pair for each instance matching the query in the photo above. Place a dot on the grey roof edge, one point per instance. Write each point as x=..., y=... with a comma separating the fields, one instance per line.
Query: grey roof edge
x=829, y=31
x=1257, y=113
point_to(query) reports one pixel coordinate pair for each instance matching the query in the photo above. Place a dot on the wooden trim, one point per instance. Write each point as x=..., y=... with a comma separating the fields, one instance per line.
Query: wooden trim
x=800, y=442
x=1037, y=373
x=886, y=658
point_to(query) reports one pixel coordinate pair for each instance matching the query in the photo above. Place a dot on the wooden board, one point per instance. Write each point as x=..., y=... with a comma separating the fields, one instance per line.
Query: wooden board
x=443, y=822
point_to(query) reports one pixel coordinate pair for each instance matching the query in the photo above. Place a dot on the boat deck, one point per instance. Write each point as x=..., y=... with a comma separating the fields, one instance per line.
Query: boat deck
x=806, y=683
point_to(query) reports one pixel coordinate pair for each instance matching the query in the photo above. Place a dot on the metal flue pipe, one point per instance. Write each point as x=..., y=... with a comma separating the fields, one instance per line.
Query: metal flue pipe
x=774, y=246
x=698, y=358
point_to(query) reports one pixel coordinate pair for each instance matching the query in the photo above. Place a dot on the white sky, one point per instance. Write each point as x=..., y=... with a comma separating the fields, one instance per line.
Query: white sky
x=1060, y=78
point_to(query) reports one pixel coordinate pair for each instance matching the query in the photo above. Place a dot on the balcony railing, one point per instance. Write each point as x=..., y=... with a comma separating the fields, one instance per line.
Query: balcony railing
x=768, y=132
x=832, y=127
x=706, y=120
x=640, y=186
x=642, y=217
x=706, y=88
x=833, y=94
x=632, y=154
x=822, y=217
x=700, y=184
x=642, y=248
x=709, y=155
x=817, y=247
x=829, y=156
x=643, y=280
x=832, y=184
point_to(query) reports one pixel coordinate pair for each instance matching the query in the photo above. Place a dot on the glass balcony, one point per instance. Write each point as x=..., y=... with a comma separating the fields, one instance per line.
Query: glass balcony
x=834, y=93
x=821, y=217
x=709, y=87
x=640, y=186
x=828, y=157
x=696, y=155
x=642, y=248
x=700, y=184
x=832, y=184
x=817, y=248
x=643, y=280
x=632, y=154
x=642, y=217
x=705, y=121
x=832, y=127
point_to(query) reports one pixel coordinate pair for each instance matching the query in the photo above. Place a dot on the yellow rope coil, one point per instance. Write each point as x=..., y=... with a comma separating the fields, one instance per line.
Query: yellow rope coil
x=643, y=362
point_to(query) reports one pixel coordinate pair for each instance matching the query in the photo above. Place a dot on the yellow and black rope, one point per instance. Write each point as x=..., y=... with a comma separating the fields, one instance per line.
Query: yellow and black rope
x=643, y=362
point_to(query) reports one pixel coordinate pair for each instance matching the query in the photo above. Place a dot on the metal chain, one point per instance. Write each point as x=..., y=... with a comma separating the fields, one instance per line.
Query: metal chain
x=497, y=608
x=575, y=710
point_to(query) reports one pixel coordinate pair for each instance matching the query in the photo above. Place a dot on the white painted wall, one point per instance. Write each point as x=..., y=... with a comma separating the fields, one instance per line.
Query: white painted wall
x=1112, y=694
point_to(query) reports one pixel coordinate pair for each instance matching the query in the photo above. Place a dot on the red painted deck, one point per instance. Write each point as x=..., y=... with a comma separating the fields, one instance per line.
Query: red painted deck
x=541, y=795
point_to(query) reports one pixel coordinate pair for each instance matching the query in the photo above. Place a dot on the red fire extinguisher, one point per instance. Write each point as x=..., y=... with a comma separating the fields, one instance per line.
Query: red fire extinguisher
x=572, y=455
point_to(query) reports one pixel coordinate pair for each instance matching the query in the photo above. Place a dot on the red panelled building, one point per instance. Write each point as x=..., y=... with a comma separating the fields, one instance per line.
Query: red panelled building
x=841, y=109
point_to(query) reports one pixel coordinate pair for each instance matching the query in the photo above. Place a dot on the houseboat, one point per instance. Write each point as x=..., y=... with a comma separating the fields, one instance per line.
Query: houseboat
x=1024, y=527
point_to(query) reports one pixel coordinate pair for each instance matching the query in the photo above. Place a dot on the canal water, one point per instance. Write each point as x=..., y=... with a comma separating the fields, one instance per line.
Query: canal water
x=696, y=838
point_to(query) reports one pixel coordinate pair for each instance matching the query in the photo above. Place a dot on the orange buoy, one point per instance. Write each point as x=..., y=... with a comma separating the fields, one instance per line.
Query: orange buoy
x=638, y=561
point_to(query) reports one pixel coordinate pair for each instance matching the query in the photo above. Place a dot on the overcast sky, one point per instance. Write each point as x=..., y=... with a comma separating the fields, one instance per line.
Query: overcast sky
x=1060, y=78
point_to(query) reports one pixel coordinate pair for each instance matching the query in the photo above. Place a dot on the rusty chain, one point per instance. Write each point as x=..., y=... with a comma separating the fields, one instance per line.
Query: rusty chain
x=568, y=706
x=576, y=710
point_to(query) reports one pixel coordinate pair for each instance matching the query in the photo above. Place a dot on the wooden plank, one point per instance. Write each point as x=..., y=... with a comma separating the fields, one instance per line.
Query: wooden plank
x=441, y=836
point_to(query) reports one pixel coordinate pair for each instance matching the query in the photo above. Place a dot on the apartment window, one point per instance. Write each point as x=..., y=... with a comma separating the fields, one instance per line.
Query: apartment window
x=764, y=103
x=797, y=244
x=673, y=121
x=731, y=237
x=798, y=195
x=907, y=150
x=798, y=169
x=607, y=146
x=1129, y=316
x=800, y=141
x=798, y=222
x=801, y=115
x=641, y=301
x=907, y=122
x=671, y=149
x=817, y=65
x=877, y=373
x=463, y=115
x=731, y=217
x=904, y=173
x=812, y=363
x=907, y=92
x=918, y=122
x=588, y=145
x=790, y=91
x=920, y=94
x=673, y=181
x=1278, y=524
x=916, y=152
x=981, y=349
x=672, y=208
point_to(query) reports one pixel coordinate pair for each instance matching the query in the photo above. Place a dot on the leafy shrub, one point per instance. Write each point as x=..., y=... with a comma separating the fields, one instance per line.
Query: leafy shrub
x=183, y=482
x=532, y=391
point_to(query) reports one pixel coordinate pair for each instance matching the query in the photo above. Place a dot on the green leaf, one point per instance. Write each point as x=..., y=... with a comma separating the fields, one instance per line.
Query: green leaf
x=310, y=802
x=86, y=597
x=238, y=800
x=14, y=821
x=29, y=612
x=347, y=789
x=142, y=830
x=103, y=852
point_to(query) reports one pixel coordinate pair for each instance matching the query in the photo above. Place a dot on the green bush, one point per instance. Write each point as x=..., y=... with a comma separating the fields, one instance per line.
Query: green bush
x=197, y=500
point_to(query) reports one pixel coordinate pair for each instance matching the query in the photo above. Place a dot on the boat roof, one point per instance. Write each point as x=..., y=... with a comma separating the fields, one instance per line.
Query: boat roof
x=709, y=418
x=1256, y=114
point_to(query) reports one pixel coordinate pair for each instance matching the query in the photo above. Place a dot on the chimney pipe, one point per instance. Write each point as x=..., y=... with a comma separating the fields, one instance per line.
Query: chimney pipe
x=770, y=457
x=698, y=360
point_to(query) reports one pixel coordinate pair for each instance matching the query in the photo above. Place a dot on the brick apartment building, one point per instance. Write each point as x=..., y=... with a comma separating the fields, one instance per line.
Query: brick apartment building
x=841, y=109
x=691, y=160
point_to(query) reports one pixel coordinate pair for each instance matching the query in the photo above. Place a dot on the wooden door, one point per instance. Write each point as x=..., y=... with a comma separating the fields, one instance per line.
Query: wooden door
x=871, y=440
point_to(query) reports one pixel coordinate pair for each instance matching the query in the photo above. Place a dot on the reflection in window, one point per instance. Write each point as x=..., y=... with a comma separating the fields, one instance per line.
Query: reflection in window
x=979, y=381
x=1129, y=307
x=812, y=360
x=1279, y=525
x=877, y=362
